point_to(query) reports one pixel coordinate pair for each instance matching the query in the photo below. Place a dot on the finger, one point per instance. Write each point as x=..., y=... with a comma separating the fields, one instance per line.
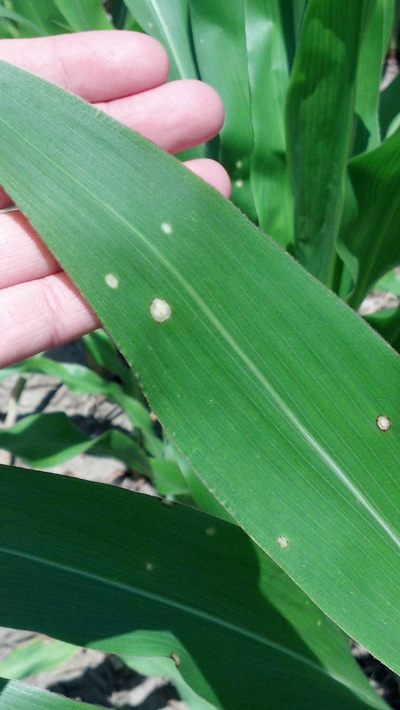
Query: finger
x=40, y=315
x=98, y=65
x=213, y=173
x=175, y=116
x=24, y=256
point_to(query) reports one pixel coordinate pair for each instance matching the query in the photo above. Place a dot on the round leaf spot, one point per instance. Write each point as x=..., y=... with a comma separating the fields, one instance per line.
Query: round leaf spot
x=111, y=280
x=160, y=310
x=166, y=228
x=283, y=541
x=239, y=183
x=383, y=422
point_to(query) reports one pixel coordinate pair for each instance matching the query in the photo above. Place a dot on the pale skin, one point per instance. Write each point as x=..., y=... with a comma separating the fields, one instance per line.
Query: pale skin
x=123, y=74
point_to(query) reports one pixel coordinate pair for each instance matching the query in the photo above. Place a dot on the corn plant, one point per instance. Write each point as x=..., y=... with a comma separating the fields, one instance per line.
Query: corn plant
x=279, y=397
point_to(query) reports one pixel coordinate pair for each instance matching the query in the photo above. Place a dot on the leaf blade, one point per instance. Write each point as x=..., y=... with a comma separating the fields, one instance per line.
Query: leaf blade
x=83, y=17
x=319, y=114
x=270, y=46
x=286, y=393
x=219, y=35
x=368, y=239
x=168, y=21
x=19, y=696
x=182, y=575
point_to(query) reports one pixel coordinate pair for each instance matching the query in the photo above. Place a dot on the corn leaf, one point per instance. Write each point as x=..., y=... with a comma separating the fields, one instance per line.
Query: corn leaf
x=270, y=38
x=168, y=21
x=35, y=656
x=84, y=16
x=123, y=573
x=220, y=42
x=271, y=387
x=50, y=439
x=19, y=696
x=19, y=20
x=389, y=109
x=372, y=54
x=319, y=110
x=83, y=380
x=107, y=358
x=43, y=14
x=369, y=242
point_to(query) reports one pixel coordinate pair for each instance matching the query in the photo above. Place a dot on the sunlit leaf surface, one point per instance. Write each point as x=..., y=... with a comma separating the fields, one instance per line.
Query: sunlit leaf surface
x=270, y=386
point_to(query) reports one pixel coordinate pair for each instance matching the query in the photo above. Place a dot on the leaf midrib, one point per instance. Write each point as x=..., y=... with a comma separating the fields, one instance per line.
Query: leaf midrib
x=168, y=602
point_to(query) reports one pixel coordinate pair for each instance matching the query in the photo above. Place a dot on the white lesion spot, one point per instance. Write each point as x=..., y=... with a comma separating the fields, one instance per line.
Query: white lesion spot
x=166, y=228
x=283, y=541
x=149, y=566
x=210, y=531
x=383, y=422
x=111, y=280
x=176, y=659
x=239, y=183
x=150, y=24
x=160, y=310
x=239, y=164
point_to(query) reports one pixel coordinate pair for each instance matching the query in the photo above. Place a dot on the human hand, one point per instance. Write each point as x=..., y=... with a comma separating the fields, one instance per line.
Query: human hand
x=123, y=74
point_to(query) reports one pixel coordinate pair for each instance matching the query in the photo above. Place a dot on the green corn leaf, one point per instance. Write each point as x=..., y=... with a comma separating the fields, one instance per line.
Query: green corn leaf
x=373, y=50
x=168, y=479
x=83, y=380
x=84, y=16
x=49, y=439
x=389, y=282
x=319, y=113
x=43, y=654
x=268, y=384
x=369, y=242
x=43, y=14
x=220, y=43
x=162, y=667
x=389, y=109
x=19, y=696
x=387, y=324
x=168, y=21
x=119, y=13
x=270, y=37
x=19, y=20
x=108, y=568
x=103, y=351
x=7, y=31
x=35, y=656
x=387, y=321
x=199, y=493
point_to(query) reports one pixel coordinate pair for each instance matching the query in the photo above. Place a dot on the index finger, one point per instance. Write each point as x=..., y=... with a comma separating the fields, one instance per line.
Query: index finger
x=101, y=65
